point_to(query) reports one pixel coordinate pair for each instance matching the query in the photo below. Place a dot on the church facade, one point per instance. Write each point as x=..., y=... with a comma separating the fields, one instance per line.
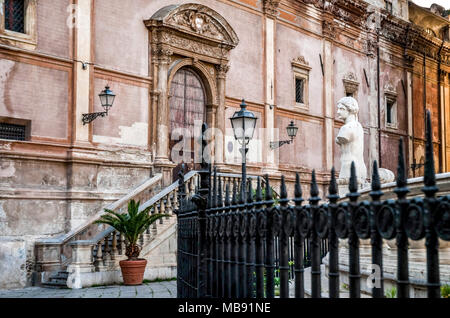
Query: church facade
x=173, y=65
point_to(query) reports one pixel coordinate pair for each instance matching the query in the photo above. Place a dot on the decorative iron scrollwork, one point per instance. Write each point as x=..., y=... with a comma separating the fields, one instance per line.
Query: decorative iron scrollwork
x=252, y=225
x=288, y=223
x=222, y=225
x=276, y=220
x=261, y=224
x=321, y=222
x=243, y=226
x=229, y=225
x=414, y=226
x=340, y=221
x=385, y=220
x=442, y=218
x=236, y=227
x=304, y=222
x=361, y=220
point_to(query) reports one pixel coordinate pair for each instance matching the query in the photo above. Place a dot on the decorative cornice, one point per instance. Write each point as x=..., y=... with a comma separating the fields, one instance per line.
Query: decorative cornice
x=351, y=82
x=300, y=62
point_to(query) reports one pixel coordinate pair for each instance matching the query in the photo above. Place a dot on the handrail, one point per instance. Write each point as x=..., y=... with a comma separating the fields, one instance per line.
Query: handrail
x=146, y=204
x=66, y=237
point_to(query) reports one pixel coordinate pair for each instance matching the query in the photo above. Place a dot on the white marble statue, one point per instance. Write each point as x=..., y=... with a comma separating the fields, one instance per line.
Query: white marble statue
x=351, y=140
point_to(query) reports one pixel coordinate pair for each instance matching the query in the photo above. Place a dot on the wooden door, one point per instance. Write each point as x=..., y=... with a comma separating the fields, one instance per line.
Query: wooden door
x=187, y=104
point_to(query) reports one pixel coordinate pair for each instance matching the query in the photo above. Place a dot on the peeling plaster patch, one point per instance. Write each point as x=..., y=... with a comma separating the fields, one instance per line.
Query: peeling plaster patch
x=7, y=169
x=134, y=135
x=5, y=69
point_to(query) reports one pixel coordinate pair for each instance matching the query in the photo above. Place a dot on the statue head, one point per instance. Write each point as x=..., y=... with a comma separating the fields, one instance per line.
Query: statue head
x=347, y=106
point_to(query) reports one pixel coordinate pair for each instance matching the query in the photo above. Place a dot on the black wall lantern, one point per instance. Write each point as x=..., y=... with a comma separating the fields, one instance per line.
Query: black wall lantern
x=107, y=100
x=291, y=131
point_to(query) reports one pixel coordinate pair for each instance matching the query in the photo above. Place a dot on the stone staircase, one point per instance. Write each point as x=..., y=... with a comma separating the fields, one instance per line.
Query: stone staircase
x=90, y=254
x=58, y=280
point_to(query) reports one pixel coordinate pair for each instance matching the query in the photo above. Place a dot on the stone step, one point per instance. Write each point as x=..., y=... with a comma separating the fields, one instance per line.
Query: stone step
x=51, y=284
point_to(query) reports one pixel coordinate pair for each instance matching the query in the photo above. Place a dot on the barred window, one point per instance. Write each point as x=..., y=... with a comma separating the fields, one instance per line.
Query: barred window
x=299, y=90
x=15, y=15
x=12, y=131
x=389, y=110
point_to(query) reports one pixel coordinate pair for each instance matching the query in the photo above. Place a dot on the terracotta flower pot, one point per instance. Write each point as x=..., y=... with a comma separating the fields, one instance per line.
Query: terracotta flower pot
x=133, y=271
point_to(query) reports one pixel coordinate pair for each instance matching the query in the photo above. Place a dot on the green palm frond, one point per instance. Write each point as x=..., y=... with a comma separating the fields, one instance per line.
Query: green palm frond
x=131, y=224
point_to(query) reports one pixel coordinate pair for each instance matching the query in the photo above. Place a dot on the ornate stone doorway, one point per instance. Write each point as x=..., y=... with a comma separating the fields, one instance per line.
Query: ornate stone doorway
x=187, y=105
x=195, y=37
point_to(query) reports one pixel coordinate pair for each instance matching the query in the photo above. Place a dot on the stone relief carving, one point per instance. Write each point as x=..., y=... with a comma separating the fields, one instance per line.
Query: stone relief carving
x=389, y=89
x=197, y=22
x=300, y=61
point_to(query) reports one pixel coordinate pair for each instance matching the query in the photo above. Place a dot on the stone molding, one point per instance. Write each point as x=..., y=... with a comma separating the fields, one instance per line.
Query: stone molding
x=270, y=7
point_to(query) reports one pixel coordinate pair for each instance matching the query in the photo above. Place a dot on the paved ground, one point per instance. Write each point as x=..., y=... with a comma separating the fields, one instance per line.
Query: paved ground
x=149, y=290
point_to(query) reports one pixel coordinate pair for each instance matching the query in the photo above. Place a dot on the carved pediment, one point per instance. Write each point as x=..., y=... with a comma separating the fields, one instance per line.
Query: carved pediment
x=195, y=20
x=389, y=89
x=351, y=83
x=300, y=62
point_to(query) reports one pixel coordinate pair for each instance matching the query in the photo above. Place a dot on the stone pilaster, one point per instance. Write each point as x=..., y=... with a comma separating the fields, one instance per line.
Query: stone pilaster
x=270, y=10
x=82, y=33
x=222, y=70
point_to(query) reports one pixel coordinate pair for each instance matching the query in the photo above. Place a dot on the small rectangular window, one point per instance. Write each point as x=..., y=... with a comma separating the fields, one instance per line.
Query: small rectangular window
x=389, y=110
x=389, y=6
x=299, y=90
x=15, y=15
x=12, y=131
x=349, y=94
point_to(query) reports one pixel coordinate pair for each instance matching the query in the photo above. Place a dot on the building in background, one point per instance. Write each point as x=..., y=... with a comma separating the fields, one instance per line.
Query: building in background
x=172, y=63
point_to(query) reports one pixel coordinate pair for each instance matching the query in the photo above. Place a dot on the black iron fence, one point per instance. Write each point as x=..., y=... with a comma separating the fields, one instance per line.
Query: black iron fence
x=234, y=244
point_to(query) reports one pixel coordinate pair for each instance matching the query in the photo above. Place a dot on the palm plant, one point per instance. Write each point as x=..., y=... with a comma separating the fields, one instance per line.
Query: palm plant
x=131, y=225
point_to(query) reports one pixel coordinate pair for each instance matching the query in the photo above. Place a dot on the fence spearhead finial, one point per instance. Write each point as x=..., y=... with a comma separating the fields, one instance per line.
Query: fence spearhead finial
x=214, y=189
x=298, y=188
x=242, y=194
x=268, y=188
x=314, y=191
x=376, y=184
x=259, y=190
x=250, y=193
x=332, y=189
x=353, y=185
x=401, y=169
x=283, y=191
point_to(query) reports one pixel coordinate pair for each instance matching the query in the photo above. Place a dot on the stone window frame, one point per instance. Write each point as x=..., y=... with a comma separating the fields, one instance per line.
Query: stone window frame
x=351, y=85
x=390, y=95
x=300, y=70
x=27, y=40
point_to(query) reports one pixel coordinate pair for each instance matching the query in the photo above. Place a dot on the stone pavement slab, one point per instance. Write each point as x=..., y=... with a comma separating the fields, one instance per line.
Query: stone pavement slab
x=167, y=289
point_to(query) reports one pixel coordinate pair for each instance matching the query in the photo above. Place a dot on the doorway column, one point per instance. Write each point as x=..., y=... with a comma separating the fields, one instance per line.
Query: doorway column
x=162, y=163
x=222, y=70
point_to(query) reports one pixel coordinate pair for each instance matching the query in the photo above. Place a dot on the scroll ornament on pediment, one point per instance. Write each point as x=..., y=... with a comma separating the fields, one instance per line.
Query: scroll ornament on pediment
x=351, y=82
x=328, y=29
x=197, y=22
x=389, y=89
x=300, y=60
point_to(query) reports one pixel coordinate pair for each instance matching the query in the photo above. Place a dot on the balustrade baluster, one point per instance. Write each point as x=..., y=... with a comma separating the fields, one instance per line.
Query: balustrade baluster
x=353, y=240
x=99, y=256
x=299, y=238
x=315, y=242
x=169, y=205
x=333, y=241
x=269, y=262
x=114, y=245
